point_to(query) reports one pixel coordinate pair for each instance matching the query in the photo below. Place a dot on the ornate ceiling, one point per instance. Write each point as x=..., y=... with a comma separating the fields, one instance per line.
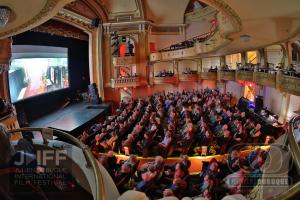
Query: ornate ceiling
x=266, y=22
x=55, y=27
x=29, y=14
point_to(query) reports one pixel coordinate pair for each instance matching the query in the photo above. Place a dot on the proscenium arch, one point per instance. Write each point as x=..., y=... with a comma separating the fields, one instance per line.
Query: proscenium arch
x=95, y=50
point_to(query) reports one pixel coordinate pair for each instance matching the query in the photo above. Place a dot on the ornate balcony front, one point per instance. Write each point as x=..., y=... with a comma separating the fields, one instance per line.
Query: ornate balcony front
x=266, y=79
x=227, y=75
x=123, y=61
x=166, y=80
x=188, y=77
x=125, y=82
x=244, y=75
x=208, y=75
x=288, y=84
x=201, y=14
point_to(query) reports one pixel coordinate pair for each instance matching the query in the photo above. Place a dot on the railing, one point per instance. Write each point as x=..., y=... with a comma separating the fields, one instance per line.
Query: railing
x=211, y=43
x=166, y=80
x=228, y=75
x=208, y=75
x=201, y=14
x=294, y=190
x=98, y=191
x=123, y=61
x=188, y=77
x=125, y=82
x=276, y=80
x=190, y=42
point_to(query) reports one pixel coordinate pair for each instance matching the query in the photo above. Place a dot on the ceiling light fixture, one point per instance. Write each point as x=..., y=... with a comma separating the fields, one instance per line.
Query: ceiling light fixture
x=245, y=38
x=4, y=15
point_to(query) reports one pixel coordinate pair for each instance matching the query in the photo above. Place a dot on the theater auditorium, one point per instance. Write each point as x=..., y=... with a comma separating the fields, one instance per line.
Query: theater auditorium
x=150, y=99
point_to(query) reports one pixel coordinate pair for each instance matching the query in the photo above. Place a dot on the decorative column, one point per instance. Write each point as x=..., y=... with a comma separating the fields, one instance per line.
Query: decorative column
x=223, y=61
x=287, y=49
x=107, y=59
x=176, y=70
x=285, y=103
x=244, y=58
x=285, y=59
x=262, y=57
x=5, y=56
x=96, y=65
x=199, y=65
x=142, y=55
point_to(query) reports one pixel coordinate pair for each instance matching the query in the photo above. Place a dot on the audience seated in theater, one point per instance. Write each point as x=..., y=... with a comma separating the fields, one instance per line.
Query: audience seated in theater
x=165, y=73
x=174, y=123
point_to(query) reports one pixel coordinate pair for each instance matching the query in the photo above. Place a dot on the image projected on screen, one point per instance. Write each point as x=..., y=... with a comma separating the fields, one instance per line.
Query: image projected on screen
x=33, y=76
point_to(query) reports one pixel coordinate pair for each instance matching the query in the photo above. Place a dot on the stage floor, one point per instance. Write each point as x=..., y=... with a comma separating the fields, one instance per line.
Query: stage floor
x=73, y=118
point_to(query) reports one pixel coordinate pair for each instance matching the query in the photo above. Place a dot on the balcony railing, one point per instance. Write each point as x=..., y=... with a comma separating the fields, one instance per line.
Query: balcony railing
x=288, y=84
x=266, y=79
x=188, y=77
x=167, y=79
x=123, y=61
x=277, y=80
x=125, y=82
x=244, y=75
x=227, y=75
x=208, y=75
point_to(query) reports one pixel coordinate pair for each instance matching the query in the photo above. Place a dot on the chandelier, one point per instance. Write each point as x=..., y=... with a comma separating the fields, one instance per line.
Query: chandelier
x=4, y=15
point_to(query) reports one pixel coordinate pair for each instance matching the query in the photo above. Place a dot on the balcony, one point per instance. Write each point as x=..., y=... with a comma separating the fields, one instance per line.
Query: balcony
x=188, y=77
x=125, y=82
x=201, y=14
x=123, y=61
x=227, y=75
x=208, y=75
x=288, y=84
x=266, y=79
x=244, y=75
x=166, y=80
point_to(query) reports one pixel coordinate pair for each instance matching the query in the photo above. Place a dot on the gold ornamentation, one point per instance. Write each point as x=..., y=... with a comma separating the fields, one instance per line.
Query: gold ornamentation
x=208, y=75
x=122, y=61
x=245, y=75
x=265, y=79
x=289, y=84
x=229, y=76
x=188, y=77
x=60, y=32
x=49, y=6
x=74, y=18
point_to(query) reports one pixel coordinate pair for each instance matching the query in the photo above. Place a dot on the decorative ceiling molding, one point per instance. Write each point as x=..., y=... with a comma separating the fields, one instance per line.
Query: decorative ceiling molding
x=54, y=27
x=98, y=7
x=74, y=19
x=134, y=14
x=221, y=6
x=81, y=8
x=144, y=26
x=48, y=11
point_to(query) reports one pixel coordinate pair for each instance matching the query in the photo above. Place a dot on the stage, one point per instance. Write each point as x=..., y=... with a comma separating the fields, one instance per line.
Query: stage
x=74, y=118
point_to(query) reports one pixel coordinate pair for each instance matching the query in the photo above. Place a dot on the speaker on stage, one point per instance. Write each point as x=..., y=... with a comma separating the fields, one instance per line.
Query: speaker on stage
x=259, y=103
x=95, y=22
